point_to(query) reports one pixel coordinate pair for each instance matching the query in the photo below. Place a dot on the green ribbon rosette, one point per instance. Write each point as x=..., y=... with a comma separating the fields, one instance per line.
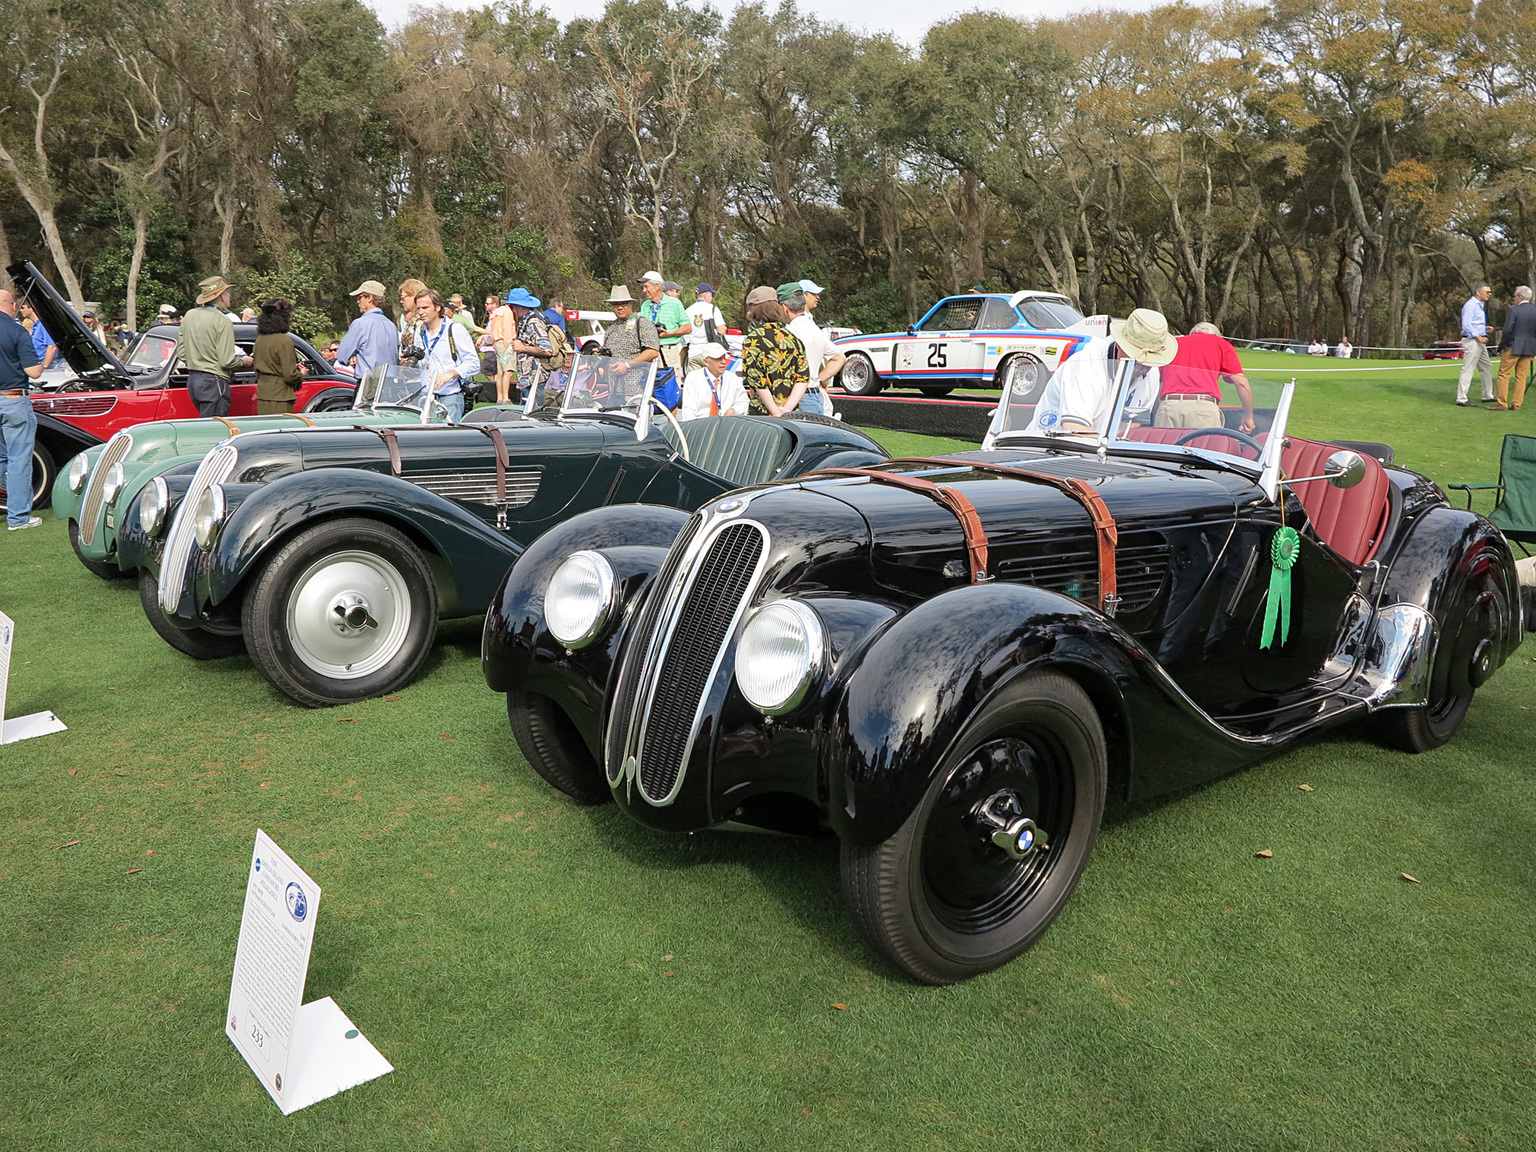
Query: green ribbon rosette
x=1283, y=551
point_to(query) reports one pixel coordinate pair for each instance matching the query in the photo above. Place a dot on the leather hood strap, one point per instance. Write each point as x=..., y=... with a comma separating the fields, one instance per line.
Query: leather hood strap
x=964, y=510
x=501, y=459
x=1086, y=494
x=391, y=441
x=233, y=431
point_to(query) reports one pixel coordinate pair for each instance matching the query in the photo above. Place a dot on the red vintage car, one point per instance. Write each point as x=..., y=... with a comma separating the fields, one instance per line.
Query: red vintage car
x=148, y=383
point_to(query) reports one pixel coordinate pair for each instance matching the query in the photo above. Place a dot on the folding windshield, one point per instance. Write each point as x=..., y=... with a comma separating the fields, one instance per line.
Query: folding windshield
x=607, y=384
x=395, y=386
x=1108, y=402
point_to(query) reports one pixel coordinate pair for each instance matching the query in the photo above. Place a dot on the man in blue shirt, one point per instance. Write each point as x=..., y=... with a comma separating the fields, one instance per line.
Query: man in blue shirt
x=555, y=313
x=19, y=366
x=448, y=356
x=372, y=338
x=1475, y=330
x=42, y=343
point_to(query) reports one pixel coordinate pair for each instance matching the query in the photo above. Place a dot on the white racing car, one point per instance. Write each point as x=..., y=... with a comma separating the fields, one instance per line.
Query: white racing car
x=974, y=339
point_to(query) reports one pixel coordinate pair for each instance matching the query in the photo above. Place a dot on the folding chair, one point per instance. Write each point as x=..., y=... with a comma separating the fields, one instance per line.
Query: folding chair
x=1515, y=511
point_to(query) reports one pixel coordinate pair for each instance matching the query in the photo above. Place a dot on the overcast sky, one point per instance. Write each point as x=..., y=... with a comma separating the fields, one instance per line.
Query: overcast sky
x=908, y=19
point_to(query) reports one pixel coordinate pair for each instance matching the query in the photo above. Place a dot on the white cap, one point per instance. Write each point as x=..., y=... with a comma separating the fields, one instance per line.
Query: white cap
x=711, y=350
x=167, y=309
x=656, y=276
x=812, y=287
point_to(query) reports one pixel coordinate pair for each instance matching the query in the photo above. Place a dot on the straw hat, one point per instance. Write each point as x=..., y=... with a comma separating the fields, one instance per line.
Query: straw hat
x=212, y=288
x=1144, y=337
x=620, y=295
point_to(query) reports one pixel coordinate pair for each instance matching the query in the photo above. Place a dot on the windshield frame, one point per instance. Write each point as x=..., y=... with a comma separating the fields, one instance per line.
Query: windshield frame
x=370, y=384
x=640, y=413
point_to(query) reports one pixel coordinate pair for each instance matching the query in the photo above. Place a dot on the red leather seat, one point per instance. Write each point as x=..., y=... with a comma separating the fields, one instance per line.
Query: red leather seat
x=1351, y=521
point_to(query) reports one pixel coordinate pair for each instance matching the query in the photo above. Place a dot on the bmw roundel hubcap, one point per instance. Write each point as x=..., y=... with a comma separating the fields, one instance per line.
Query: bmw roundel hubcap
x=349, y=614
x=990, y=840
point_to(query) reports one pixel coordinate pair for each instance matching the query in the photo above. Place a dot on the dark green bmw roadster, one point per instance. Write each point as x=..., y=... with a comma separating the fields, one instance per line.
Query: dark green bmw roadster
x=329, y=554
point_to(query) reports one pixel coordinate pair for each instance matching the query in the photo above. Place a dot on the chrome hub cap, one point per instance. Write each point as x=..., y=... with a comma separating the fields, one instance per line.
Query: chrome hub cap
x=349, y=615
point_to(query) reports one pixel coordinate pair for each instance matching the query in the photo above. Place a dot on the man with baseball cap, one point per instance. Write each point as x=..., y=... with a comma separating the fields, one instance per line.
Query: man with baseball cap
x=372, y=338
x=1077, y=399
x=168, y=315
x=712, y=389
x=706, y=323
x=813, y=293
x=670, y=318
x=207, y=347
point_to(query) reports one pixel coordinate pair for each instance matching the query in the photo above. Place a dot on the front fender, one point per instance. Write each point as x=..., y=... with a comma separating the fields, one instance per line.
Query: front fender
x=899, y=709
x=517, y=650
x=474, y=554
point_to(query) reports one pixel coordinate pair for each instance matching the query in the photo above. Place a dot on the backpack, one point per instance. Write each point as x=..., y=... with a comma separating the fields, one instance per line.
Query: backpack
x=560, y=345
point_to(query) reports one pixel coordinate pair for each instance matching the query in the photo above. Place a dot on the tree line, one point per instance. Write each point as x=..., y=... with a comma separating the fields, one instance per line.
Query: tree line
x=1304, y=167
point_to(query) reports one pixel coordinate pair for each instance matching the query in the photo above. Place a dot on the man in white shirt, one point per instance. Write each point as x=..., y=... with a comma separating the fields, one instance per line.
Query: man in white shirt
x=1317, y=348
x=448, y=354
x=701, y=314
x=824, y=360
x=1077, y=399
x=1345, y=349
x=712, y=390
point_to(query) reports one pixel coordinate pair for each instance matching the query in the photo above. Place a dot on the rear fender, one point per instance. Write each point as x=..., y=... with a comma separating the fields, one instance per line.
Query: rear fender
x=467, y=555
x=900, y=708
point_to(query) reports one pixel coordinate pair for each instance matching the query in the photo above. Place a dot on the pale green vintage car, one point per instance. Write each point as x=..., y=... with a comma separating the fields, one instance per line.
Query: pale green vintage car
x=103, y=480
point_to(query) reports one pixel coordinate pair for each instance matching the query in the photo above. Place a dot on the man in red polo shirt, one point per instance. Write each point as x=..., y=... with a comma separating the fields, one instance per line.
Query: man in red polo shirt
x=1191, y=392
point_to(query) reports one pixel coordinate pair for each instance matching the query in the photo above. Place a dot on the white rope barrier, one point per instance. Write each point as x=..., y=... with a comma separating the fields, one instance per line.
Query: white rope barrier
x=1429, y=365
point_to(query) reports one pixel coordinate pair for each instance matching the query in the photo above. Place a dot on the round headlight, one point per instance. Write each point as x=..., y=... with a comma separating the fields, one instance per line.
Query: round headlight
x=152, y=505
x=781, y=653
x=113, y=483
x=580, y=598
x=79, y=469
x=208, y=515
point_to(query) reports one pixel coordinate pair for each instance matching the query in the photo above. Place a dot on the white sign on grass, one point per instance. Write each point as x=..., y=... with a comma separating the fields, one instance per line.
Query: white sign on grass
x=23, y=727
x=300, y=1052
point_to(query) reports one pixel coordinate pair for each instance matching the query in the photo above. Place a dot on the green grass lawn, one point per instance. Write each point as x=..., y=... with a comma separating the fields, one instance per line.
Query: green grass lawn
x=550, y=977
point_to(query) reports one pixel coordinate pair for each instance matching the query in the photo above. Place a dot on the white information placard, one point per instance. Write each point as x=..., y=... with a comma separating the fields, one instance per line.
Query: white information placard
x=23, y=727
x=301, y=1053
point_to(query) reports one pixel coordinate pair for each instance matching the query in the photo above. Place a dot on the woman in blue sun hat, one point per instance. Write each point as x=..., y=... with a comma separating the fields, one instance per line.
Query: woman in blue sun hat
x=532, y=344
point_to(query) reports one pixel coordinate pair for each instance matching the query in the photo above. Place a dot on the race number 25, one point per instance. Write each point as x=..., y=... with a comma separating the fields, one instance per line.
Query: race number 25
x=936, y=358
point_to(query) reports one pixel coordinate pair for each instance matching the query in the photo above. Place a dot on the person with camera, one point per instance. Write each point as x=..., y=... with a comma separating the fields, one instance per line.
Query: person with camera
x=445, y=352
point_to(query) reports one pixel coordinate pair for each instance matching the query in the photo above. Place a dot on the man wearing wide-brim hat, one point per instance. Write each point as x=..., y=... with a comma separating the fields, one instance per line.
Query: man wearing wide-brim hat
x=630, y=339
x=207, y=347
x=1077, y=399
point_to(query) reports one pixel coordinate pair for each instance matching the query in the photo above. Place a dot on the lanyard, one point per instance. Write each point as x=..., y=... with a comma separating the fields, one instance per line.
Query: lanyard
x=714, y=407
x=431, y=344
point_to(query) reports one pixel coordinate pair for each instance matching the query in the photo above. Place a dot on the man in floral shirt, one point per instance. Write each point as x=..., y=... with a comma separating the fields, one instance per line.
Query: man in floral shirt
x=532, y=344
x=772, y=358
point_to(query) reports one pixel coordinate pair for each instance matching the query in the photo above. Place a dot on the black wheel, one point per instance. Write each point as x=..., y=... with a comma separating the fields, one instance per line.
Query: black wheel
x=1427, y=726
x=555, y=749
x=1022, y=379
x=996, y=846
x=857, y=376
x=344, y=611
x=44, y=471
x=94, y=567
x=198, y=643
x=935, y=390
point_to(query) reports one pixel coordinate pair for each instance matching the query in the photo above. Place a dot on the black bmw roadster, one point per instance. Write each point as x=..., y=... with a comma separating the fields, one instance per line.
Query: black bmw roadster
x=953, y=663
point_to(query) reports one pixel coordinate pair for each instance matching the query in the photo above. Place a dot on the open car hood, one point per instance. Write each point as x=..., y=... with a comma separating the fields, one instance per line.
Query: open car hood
x=77, y=343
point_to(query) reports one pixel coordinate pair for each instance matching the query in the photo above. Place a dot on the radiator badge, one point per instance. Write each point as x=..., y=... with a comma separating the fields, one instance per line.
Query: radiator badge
x=734, y=504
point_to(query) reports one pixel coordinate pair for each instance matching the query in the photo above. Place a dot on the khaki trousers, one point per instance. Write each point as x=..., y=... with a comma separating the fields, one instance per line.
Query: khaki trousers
x=1187, y=412
x=1520, y=366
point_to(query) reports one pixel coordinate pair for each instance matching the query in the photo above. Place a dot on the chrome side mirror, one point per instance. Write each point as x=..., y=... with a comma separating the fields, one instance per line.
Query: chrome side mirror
x=1344, y=469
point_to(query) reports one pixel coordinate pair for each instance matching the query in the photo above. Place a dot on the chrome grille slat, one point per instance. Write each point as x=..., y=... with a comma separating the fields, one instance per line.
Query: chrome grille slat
x=215, y=469
x=707, y=613
x=90, y=508
x=478, y=485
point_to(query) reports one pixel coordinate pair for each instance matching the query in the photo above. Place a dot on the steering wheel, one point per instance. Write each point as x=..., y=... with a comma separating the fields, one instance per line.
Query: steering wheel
x=676, y=427
x=1241, y=437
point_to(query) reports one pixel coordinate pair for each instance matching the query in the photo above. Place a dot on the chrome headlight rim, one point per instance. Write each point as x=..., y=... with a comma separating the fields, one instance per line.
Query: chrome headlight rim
x=208, y=516
x=599, y=577
x=112, y=483
x=79, y=472
x=786, y=614
x=153, y=502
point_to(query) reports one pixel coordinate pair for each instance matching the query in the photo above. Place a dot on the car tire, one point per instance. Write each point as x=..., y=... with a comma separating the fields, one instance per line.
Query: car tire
x=358, y=566
x=1034, y=378
x=858, y=377
x=938, y=898
x=44, y=472
x=198, y=643
x=935, y=390
x=94, y=567
x=1425, y=727
x=556, y=751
